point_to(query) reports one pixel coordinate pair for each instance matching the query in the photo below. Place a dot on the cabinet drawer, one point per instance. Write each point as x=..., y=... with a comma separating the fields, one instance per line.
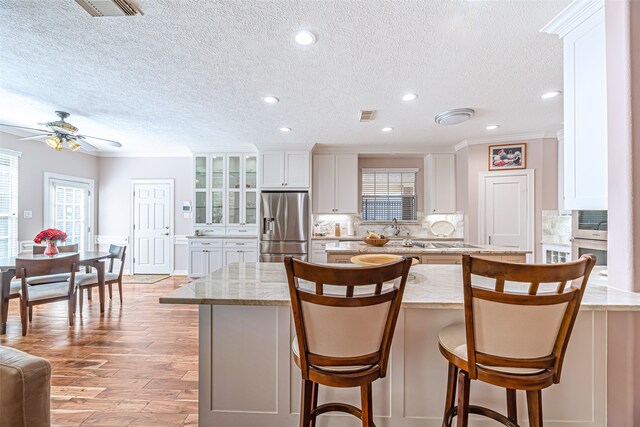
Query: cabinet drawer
x=243, y=231
x=441, y=259
x=249, y=243
x=208, y=243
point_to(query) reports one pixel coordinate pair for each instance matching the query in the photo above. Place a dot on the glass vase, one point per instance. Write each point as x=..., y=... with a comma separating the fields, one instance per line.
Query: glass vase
x=52, y=248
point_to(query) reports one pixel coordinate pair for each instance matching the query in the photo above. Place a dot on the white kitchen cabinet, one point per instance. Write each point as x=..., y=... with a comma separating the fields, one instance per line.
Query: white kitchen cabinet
x=440, y=183
x=205, y=256
x=209, y=192
x=582, y=28
x=245, y=250
x=287, y=170
x=242, y=194
x=318, y=250
x=335, y=183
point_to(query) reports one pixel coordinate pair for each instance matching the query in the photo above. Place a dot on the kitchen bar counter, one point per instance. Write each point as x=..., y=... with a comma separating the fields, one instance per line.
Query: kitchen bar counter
x=247, y=376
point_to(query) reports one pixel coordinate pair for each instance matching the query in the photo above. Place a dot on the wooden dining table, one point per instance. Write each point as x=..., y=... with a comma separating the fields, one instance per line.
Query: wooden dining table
x=8, y=272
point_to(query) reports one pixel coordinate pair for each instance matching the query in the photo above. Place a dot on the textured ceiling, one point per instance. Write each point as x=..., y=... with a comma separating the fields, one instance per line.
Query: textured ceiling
x=192, y=73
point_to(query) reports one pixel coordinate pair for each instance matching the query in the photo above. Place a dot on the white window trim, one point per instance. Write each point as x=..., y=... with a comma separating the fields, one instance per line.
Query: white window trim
x=48, y=221
x=18, y=155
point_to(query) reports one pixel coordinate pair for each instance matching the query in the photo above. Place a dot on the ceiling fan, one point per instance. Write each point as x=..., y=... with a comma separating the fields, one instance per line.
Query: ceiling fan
x=59, y=132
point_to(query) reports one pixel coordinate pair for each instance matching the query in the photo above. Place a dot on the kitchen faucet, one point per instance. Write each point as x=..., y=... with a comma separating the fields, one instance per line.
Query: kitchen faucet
x=396, y=229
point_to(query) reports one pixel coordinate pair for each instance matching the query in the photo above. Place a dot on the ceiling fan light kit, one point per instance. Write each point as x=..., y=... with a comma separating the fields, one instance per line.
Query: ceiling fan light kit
x=60, y=132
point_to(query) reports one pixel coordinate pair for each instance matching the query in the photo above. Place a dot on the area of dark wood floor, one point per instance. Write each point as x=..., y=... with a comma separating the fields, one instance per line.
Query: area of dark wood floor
x=136, y=365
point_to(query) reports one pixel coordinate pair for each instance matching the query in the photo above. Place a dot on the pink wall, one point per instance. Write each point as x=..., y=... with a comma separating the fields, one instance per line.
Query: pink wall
x=37, y=158
x=623, y=115
x=541, y=157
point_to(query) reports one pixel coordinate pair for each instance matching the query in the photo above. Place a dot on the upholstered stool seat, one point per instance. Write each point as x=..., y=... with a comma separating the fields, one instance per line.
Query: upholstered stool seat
x=83, y=279
x=48, y=291
x=25, y=389
x=515, y=338
x=343, y=338
x=52, y=278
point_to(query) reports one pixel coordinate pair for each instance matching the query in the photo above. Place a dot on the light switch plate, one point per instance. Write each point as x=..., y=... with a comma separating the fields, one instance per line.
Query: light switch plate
x=28, y=214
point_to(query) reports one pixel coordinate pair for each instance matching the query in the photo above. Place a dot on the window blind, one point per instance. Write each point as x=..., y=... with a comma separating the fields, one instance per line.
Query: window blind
x=389, y=194
x=8, y=203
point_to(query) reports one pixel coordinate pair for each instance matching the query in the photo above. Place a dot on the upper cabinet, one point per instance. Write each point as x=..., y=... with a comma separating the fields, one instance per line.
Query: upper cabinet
x=209, y=192
x=335, y=183
x=582, y=28
x=226, y=193
x=440, y=183
x=284, y=170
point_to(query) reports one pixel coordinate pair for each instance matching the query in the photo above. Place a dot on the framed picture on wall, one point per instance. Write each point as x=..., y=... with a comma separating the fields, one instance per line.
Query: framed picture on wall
x=507, y=156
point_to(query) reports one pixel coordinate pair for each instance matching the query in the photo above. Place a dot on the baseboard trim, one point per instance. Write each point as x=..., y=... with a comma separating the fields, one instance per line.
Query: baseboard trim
x=180, y=272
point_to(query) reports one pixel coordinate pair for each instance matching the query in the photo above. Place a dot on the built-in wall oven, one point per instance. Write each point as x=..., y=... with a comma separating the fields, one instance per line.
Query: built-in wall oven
x=589, y=235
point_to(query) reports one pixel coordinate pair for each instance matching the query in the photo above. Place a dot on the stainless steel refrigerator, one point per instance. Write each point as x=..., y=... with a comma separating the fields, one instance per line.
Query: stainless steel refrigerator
x=284, y=225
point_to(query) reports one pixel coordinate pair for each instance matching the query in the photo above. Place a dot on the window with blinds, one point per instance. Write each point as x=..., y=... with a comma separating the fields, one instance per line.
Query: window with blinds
x=8, y=203
x=389, y=194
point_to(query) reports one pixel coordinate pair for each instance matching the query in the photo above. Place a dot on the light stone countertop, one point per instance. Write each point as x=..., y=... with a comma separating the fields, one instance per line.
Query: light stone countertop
x=395, y=247
x=392, y=238
x=429, y=286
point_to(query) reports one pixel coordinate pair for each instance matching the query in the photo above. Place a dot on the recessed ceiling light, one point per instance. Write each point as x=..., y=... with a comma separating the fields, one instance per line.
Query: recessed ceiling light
x=551, y=94
x=386, y=129
x=455, y=116
x=285, y=129
x=304, y=38
x=270, y=99
x=410, y=97
x=492, y=127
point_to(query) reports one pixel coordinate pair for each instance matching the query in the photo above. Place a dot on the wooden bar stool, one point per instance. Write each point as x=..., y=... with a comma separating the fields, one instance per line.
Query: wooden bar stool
x=343, y=337
x=515, y=340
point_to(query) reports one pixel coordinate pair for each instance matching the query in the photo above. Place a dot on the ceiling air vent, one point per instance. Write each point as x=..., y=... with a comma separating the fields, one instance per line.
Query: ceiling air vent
x=99, y=8
x=367, y=115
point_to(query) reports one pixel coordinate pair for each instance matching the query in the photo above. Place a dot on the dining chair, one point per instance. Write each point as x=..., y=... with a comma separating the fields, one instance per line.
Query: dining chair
x=46, y=293
x=87, y=281
x=39, y=250
x=514, y=338
x=343, y=337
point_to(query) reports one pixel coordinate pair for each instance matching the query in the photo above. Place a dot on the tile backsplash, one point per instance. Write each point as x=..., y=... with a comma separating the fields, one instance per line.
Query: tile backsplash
x=419, y=229
x=556, y=228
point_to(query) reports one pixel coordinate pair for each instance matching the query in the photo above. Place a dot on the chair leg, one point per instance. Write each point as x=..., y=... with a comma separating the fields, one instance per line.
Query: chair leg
x=512, y=406
x=314, y=402
x=120, y=289
x=23, y=316
x=450, y=399
x=71, y=303
x=534, y=404
x=110, y=292
x=81, y=298
x=30, y=314
x=367, y=405
x=305, y=402
x=89, y=293
x=463, y=399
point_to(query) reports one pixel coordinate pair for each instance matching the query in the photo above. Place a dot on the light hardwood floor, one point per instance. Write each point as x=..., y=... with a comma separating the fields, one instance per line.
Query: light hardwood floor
x=135, y=366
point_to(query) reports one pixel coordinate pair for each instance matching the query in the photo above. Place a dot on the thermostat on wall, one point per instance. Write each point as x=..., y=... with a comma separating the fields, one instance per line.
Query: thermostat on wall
x=186, y=207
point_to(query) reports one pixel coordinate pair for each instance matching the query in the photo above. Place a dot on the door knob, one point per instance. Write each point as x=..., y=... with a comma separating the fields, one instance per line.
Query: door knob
x=166, y=234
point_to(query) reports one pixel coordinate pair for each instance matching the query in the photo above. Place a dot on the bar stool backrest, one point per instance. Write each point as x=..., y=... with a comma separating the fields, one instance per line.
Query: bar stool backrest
x=521, y=327
x=337, y=326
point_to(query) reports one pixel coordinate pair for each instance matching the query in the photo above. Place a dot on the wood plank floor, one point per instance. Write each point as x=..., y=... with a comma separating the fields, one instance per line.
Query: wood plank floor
x=135, y=366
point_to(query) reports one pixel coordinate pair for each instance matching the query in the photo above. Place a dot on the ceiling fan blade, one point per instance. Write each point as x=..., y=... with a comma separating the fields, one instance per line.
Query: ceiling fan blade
x=84, y=144
x=111, y=142
x=22, y=127
x=35, y=137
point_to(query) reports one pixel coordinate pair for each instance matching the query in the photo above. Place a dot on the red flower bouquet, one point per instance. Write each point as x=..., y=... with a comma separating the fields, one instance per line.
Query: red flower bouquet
x=51, y=234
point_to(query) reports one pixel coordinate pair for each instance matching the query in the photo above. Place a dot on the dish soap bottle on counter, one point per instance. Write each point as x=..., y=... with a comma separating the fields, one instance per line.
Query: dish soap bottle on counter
x=337, y=230
x=350, y=228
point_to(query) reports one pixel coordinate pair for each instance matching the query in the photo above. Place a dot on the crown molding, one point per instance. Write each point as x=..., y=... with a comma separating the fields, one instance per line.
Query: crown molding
x=572, y=16
x=505, y=138
x=284, y=146
x=381, y=150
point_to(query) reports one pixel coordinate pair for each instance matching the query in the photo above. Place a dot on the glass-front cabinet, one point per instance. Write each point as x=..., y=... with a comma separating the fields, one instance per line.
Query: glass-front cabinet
x=242, y=190
x=209, y=200
x=226, y=194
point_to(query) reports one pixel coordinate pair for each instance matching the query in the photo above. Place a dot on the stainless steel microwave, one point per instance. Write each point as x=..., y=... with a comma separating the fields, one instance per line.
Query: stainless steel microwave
x=589, y=225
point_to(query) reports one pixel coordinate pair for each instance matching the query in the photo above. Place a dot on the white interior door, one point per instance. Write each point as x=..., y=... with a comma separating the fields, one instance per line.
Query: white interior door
x=506, y=209
x=152, y=228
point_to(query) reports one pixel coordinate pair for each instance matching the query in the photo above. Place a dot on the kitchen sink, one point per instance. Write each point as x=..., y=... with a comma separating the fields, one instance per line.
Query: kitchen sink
x=453, y=245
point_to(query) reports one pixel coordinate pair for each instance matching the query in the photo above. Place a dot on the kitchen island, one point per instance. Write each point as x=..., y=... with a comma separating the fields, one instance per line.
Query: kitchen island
x=247, y=376
x=433, y=252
